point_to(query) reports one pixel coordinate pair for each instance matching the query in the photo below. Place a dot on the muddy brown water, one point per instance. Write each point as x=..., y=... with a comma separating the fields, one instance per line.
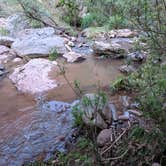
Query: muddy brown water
x=19, y=115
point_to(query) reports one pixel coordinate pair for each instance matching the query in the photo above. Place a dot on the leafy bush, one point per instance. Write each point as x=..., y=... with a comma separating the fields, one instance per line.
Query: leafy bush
x=116, y=22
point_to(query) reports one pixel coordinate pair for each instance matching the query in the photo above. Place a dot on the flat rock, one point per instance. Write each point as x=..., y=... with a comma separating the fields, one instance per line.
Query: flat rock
x=104, y=137
x=33, y=76
x=74, y=57
x=6, y=41
x=38, y=43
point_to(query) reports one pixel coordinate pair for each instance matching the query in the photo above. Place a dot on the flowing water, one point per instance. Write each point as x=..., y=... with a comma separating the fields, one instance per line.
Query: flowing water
x=27, y=131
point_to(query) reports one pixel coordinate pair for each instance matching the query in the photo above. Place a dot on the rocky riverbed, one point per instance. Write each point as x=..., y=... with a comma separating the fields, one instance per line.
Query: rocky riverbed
x=35, y=100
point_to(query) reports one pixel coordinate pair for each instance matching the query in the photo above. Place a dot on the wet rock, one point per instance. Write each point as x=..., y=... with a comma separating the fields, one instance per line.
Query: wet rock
x=33, y=76
x=104, y=137
x=46, y=131
x=93, y=117
x=136, y=56
x=17, y=23
x=38, y=43
x=127, y=69
x=74, y=57
x=6, y=41
x=124, y=33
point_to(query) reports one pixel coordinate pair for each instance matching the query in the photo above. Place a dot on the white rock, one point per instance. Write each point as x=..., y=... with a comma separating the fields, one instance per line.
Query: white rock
x=33, y=76
x=73, y=57
x=17, y=60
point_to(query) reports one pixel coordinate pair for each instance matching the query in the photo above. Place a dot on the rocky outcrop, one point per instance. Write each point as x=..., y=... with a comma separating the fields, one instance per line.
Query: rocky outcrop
x=73, y=57
x=38, y=43
x=33, y=76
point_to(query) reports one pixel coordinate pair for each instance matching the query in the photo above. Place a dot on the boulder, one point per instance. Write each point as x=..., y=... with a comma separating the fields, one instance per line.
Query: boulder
x=6, y=41
x=33, y=76
x=74, y=57
x=38, y=43
x=104, y=137
x=91, y=116
x=114, y=48
x=4, y=49
x=127, y=69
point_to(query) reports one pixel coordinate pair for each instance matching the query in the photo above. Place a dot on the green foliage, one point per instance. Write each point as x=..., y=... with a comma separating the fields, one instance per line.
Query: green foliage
x=3, y=31
x=71, y=12
x=116, y=22
x=53, y=55
x=77, y=114
x=81, y=155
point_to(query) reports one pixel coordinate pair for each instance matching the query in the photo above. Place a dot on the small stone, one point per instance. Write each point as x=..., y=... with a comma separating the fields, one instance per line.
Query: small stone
x=127, y=69
x=74, y=57
x=123, y=117
x=135, y=112
x=2, y=67
x=71, y=44
x=104, y=137
x=17, y=60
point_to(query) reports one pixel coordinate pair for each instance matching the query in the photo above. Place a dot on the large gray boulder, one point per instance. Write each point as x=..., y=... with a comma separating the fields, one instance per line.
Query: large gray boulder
x=38, y=43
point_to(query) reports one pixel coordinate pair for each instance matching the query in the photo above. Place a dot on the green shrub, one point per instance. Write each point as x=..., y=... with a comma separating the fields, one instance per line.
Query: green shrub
x=117, y=22
x=3, y=31
x=53, y=55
